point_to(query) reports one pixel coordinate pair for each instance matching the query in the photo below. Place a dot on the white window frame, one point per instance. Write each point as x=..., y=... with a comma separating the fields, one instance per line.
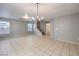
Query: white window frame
x=4, y=27
x=30, y=27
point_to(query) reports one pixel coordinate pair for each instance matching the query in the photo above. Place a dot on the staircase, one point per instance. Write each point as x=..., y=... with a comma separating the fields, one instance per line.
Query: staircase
x=37, y=32
x=38, y=27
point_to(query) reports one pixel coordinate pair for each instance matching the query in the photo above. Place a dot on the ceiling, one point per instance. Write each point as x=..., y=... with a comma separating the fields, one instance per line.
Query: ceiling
x=47, y=10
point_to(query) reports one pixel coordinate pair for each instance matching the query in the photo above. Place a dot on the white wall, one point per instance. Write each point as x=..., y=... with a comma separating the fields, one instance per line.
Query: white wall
x=66, y=28
x=18, y=27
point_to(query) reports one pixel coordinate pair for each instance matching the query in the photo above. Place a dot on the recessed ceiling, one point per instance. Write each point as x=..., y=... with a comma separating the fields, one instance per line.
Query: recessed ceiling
x=46, y=10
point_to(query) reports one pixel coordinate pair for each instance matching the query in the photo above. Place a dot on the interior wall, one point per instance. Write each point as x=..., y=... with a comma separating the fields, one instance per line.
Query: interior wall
x=16, y=27
x=66, y=28
x=52, y=32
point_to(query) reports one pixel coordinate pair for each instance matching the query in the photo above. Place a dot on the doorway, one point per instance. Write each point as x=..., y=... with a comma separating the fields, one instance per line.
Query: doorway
x=48, y=28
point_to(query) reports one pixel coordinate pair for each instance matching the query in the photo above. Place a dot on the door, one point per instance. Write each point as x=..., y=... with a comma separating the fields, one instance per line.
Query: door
x=48, y=28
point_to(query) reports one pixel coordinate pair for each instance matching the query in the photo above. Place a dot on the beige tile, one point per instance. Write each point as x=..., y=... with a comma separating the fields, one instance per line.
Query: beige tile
x=37, y=46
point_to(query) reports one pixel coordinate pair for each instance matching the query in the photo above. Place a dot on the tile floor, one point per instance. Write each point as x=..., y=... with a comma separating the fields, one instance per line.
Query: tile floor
x=37, y=46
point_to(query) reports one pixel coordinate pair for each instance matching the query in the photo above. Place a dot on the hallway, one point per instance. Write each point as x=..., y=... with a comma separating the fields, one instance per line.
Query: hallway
x=37, y=46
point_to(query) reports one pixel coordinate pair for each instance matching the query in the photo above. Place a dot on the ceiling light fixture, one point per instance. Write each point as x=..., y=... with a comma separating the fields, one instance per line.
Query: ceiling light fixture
x=37, y=17
x=33, y=18
x=25, y=16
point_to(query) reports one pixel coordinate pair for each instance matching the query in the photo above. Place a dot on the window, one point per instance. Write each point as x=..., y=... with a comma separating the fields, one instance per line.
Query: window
x=29, y=26
x=4, y=27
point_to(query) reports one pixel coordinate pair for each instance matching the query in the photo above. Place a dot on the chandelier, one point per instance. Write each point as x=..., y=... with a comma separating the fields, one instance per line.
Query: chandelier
x=37, y=17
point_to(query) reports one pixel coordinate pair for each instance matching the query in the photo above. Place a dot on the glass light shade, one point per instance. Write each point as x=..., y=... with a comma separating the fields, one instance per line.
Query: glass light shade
x=42, y=18
x=37, y=17
x=33, y=18
x=26, y=16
